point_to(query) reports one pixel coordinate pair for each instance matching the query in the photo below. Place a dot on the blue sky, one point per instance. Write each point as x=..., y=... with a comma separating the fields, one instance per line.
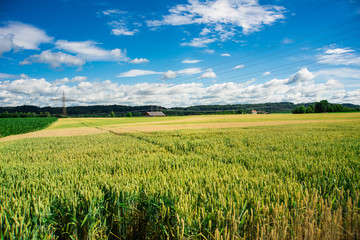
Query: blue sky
x=179, y=53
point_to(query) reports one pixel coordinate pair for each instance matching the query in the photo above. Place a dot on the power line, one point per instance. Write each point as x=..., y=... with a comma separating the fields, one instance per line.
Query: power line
x=278, y=45
x=231, y=68
x=308, y=11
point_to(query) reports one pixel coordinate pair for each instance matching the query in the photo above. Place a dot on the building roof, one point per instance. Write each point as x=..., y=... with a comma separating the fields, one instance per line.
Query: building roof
x=155, y=114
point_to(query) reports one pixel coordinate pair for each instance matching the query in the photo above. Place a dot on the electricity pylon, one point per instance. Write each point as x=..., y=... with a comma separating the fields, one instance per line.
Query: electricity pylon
x=63, y=99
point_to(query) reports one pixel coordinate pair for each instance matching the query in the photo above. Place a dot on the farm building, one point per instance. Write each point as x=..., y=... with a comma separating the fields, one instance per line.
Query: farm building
x=154, y=114
x=253, y=112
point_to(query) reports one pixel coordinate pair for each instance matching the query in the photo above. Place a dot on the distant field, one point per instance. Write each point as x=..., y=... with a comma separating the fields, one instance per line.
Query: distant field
x=276, y=177
x=116, y=122
x=86, y=126
x=11, y=126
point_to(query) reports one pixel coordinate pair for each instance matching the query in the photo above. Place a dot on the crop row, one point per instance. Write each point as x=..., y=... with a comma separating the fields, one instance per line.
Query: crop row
x=12, y=126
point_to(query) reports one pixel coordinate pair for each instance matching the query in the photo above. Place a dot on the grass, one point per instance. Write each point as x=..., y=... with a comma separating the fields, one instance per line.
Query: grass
x=277, y=182
x=12, y=126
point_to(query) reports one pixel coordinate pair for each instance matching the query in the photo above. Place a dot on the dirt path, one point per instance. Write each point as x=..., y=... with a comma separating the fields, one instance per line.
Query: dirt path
x=153, y=127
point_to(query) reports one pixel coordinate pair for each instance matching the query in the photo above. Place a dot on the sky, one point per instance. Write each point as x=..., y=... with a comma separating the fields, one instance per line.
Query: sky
x=179, y=52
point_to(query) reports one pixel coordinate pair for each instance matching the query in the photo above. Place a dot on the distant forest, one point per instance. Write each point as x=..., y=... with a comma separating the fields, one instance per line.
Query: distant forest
x=123, y=111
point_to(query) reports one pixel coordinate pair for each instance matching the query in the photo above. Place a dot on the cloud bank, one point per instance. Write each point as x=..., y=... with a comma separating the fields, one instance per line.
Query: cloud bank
x=299, y=87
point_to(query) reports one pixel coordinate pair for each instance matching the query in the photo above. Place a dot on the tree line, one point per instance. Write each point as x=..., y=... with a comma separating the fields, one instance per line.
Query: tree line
x=127, y=111
x=323, y=106
x=24, y=115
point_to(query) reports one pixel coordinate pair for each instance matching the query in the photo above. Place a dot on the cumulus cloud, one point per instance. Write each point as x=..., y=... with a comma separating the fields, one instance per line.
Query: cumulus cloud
x=198, y=42
x=27, y=86
x=303, y=75
x=54, y=59
x=222, y=16
x=208, y=74
x=65, y=80
x=21, y=36
x=266, y=73
x=6, y=43
x=340, y=56
x=139, y=60
x=225, y=55
x=138, y=72
x=88, y=50
x=303, y=88
x=169, y=74
x=191, y=61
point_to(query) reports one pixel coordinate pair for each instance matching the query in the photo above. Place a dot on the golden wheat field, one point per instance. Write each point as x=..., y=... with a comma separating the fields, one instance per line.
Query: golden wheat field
x=199, y=177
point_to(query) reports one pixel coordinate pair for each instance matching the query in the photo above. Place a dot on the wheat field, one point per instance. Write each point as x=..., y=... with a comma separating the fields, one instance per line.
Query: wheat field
x=297, y=180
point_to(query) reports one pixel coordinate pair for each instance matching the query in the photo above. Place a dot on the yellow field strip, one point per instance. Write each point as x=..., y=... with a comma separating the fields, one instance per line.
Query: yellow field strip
x=125, y=128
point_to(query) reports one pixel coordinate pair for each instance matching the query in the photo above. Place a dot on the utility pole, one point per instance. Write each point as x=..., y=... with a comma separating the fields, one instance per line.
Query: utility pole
x=63, y=99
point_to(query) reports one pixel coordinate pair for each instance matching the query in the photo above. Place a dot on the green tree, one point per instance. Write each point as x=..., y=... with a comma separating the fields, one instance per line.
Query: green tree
x=322, y=106
x=339, y=108
x=129, y=114
x=300, y=109
x=112, y=114
x=310, y=109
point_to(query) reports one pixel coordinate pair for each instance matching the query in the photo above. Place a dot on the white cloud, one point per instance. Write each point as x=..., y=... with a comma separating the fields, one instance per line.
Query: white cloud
x=22, y=36
x=225, y=55
x=88, y=50
x=123, y=31
x=120, y=28
x=303, y=88
x=54, y=59
x=139, y=60
x=340, y=56
x=205, y=31
x=123, y=23
x=248, y=15
x=113, y=12
x=190, y=61
x=137, y=72
x=303, y=75
x=338, y=50
x=286, y=41
x=190, y=71
x=339, y=73
x=6, y=43
x=209, y=51
x=27, y=86
x=198, y=42
x=11, y=76
x=208, y=74
x=266, y=73
x=239, y=66
x=78, y=79
x=169, y=74
x=65, y=80
x=187, y=71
